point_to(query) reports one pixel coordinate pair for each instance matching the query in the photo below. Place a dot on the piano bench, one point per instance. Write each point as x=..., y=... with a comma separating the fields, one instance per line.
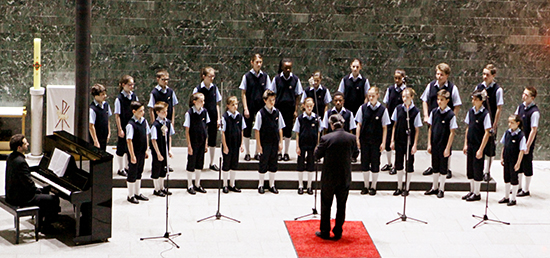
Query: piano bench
x=19, y=212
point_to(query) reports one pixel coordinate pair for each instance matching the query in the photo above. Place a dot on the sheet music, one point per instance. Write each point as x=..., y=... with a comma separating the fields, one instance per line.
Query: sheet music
x=59, y=162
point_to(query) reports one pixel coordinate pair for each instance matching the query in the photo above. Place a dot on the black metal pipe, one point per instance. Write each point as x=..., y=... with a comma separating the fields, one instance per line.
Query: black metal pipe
x=82, y=72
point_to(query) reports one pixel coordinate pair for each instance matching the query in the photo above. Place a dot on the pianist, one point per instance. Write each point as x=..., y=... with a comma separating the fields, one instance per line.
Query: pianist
x=20, y=188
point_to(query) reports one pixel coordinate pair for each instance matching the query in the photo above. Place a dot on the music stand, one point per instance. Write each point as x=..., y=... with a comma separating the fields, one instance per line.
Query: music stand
x=167, y=235
x=218, y=215
x=403, y=216
x=314, y=212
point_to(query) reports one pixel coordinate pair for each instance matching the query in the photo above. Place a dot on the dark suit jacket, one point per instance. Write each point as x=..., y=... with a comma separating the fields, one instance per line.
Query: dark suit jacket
x=20, y=188
x=338, y=148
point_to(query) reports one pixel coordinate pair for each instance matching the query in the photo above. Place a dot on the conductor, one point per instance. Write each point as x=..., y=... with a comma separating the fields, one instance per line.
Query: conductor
x=337, y=148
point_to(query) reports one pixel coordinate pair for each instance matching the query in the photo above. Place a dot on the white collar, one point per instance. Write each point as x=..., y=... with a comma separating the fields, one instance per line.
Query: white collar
x=256, y=74
x=514, y=132
x=204, y=85
x=198, y=111
x=159, y=88
x=375, y=106
x=447, y=108
x=306, y=116
x=127, y=95
x=341, y=111
x=478, y=111
x=99, y=104
x=353, y=78
x=270, y=111
x=140, y=120
x=289, y=75
x=231, y=114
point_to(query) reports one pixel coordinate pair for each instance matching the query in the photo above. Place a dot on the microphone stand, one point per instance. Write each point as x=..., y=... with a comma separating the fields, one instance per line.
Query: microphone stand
x=167, y=235
x=314, y=212
x=403, y=216
x=485, y=218
x=218, y=215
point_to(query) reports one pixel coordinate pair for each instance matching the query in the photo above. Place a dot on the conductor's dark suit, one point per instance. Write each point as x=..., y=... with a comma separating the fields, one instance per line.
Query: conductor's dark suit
x=338, y=148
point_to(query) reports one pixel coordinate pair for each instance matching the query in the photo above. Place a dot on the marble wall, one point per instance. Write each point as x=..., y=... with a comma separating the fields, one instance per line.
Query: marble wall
x=137, y=37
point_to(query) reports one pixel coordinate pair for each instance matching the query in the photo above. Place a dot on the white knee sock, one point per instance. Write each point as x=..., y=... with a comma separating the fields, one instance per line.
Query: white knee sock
x=137, y=186
x=488, y=164
x=125, y=161
x=388, y=157
x=198, y=177
x=189, y=179
x=246, y=142
x=374, y=180
x=261, y=180
x=507, y=190
x=120, y=162
x=527, y=184
x=287, y=145
x=400, y=174
x=477, y=187
x=520, y=179
x=232, y=178
x=309, y=179
x=366, y=178
x=271, y=179
x=156, y=184
x=225, y=175
x=442, y=179
x=409, y=177
x=471, y=185
x=514, y=192
x=212, y=151
x=161, y=183
x=435, y=177
x=131, y=189
x=301, y=179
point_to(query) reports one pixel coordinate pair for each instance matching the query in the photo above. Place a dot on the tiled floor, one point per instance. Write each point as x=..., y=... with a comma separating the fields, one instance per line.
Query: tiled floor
x=262, y=233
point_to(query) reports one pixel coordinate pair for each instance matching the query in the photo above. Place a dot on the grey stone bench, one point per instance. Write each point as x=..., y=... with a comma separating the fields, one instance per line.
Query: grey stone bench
x=19, y=212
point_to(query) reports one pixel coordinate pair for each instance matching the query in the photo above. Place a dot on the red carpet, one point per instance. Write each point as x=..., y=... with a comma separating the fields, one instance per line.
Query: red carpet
x=355, y=241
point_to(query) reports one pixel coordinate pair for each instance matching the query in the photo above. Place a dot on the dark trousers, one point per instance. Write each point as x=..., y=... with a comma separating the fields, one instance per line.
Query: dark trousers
x=135, y=170
x=158, y=168
x=400, y=153
x=231, y=159
x=327, y=194
x=440, y=164
x=49, y=207
x=268, y=159
x=370, y=157
x=474, y=166
x=306, y=161
x=287, y=111
x=510, y=175
x=247, y=132
x=102, y=144
x=121, y=147
x=196, y=161
x=212, y=132
x=527, y=163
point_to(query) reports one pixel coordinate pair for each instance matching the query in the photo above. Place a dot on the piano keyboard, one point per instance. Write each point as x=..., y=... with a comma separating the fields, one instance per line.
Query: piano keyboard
x=50, y=182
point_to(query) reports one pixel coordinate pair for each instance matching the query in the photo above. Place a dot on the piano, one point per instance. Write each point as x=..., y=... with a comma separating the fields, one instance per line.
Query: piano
x=86, y=184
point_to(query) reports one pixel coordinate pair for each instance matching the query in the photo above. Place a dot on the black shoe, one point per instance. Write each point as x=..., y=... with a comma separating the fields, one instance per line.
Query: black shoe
x=372, y=191
x=449, y=174
x=511, y=203
x=214, y=167
x=257, y=157
x=190, y=190
x=310, y=191
x=386, y=167
x=280, y=157
x=364, y=191
x=261, y=190
x=428, y=171
x=504, y=200
x=523, y=193
x=337, y=237
x=431, y=192
x=122, y=173
x=247, y=157
x=467, y=195
x=234, y=189
x=487, y=177
x=353, y=160
x=159, y=193
x=440, y=194
x=474, y=197
x=405, y=193
x=519, y=191
x=323, y=236
x=286, y=157
x=300, y=191
x=274, y=190
x=141, y=197
x=397, y=192
x=165, y=191
x=393, y=171
x=199, y=189
x=225, y=189
x=170, y=169
x=132, y=200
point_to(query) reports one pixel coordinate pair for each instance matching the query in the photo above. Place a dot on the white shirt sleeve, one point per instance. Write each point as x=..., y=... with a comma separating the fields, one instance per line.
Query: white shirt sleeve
x=535, y=119
x=359, y=115
x=243, y=123
x=303, y=98
x=430, y=121
x=258, y=121
x=172, y=131
x=174, y=98
x=352, y=124
x=92, y=116
x=129, y=131
x=195, y=90
x=218, y=95
x=517, y=110
x=386, y=118
x=328, y=98
x=298, y=90
x=281, y=121
x=425, y=94
x=187, y=121
x=324, y=123
x=417, y=120
x=367, y=86
x=117, y=106
x=243, y=83
x=207, y=116
x=222, y=128
x=523, y=144
x=151, y=101
x=109, y=107
x=268, y=83
x=467, y=119
x=500, y=98
x=454, y=125
x=456, y=97
x=273, y=85
x=504, y=138
x=296, y=127
x=387, y=96
x=153, y=132
x=341, y=87
x=487, y=122
x=394, y=115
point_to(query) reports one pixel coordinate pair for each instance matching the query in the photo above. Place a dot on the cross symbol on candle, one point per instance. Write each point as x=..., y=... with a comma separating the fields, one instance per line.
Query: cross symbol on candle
x=37, y=66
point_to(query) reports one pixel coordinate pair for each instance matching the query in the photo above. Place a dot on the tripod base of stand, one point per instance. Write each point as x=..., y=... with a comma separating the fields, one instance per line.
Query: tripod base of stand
x=313, y=213
x=404, y=217
x=485, y=219
x=218, y=216
x=166, y=235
